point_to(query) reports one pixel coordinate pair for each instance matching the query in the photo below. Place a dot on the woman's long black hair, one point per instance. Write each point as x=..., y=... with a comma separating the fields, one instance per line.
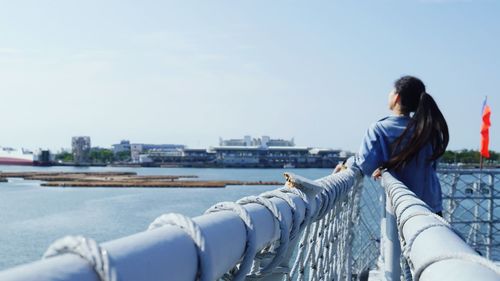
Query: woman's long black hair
x=427, y=125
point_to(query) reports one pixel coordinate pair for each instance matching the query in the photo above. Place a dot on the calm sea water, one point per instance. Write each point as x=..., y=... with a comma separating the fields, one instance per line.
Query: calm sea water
x=32, y=217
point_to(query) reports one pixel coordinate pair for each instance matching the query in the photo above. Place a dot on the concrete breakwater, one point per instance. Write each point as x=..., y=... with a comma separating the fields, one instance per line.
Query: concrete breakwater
x=125, y=179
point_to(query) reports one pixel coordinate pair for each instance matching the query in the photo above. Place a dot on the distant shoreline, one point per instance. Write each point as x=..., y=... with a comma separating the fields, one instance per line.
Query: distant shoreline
x=124, y=180
x=200, y=166
x=197, y=166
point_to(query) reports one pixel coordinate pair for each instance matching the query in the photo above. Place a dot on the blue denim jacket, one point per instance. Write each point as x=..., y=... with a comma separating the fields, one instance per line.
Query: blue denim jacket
x=419, y=175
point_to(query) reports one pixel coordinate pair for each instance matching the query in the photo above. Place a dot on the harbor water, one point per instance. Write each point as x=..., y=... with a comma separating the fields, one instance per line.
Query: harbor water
x=32, y=217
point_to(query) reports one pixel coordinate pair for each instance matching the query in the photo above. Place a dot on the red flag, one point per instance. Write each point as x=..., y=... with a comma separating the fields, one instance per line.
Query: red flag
x=485, y=131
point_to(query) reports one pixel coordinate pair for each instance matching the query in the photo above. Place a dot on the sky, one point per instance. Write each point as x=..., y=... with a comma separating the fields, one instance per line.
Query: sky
x=189, y=72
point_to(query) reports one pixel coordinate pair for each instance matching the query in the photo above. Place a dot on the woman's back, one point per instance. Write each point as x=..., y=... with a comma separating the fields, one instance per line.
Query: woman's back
x=419, y=174
x=409, y=142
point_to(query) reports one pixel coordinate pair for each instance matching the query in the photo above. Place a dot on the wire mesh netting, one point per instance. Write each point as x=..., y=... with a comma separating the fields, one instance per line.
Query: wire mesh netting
x=472, y=206
x=471, y=203
x=366, y=242
x=344, y=245
x=324, y=251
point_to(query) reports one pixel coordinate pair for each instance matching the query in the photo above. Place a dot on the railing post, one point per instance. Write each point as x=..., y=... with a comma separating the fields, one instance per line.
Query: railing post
x=453, y=192
x=391, y=247
x=490, y=217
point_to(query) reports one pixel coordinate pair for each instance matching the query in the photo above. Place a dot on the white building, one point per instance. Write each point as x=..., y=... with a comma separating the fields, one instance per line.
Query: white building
x=136, y=150
x=123, y=146
x=264, y=141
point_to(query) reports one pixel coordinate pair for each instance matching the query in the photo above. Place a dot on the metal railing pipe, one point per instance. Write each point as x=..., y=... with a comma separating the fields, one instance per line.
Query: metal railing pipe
x=166, y=253
x=433, y=250
x=170, y=253
x=391, y=248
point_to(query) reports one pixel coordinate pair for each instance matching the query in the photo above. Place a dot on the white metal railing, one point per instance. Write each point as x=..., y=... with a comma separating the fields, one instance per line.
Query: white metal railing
x=334, y=228
x=431, y=247
x=254, y=238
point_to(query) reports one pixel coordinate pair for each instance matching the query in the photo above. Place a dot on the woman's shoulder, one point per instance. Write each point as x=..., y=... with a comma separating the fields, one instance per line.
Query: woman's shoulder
x=376, y=129
x=381, y=123
x=390, y=125
x=393, y=120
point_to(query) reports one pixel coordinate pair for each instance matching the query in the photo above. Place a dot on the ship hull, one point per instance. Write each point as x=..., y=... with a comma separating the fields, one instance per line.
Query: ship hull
x=15, y=161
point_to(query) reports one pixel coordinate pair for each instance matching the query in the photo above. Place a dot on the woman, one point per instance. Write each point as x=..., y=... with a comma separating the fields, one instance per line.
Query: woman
x=408, y=144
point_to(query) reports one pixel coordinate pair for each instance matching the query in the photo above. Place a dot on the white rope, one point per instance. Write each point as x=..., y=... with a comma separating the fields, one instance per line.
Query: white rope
x=400, y=221
x=293, y=208
x=327, y=232
x=239, y=271
x=298, y=266
x=325, y=204
x=400, y=201
x=311, y=254
x=282, y=226
x=418, y=204
x=408, y=245
x=305, y=227
x=460, y=256
x=400, y=195
x=87, y=249
x=328, y=239
x=315, y=215
x=396, y=197
x=204, y=268
x=324, y=231
x=325, y=247
x=303, y=196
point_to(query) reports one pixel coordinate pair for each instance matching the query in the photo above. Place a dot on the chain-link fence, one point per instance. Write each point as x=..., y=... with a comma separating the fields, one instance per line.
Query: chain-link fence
x=366, y=243
x=472, y=206
x=471, y=203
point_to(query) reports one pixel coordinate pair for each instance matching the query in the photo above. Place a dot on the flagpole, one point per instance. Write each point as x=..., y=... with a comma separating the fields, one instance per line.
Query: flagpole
x=480, y=162
x=478, y=188
x=480, y=147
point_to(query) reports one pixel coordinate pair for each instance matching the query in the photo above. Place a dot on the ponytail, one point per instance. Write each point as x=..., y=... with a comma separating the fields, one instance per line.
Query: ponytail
x=427, y=126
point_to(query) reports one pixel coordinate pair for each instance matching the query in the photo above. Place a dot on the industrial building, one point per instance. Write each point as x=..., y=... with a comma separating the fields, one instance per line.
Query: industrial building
x=277, y=157
x=80, y=146
x=247, y=152
x=154, y=151
x=123, y=146
x=264, y=141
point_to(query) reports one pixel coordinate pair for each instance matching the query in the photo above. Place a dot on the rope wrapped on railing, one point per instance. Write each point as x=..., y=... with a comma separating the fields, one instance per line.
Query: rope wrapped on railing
x=89, y=250
x=255, y=238
x=432, y=248
x=325, y=247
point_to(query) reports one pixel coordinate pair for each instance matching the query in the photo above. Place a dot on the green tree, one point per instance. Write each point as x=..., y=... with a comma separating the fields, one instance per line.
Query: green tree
x=122, y=156
x=449, y=157
x=467, y=156
x=101, y=155
x=64, y=157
